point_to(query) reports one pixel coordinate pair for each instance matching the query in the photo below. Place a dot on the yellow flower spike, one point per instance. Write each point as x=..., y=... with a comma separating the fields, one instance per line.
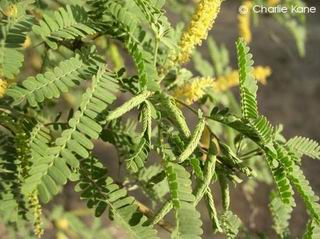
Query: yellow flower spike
x=260, y=73
x=27, y=42
x=192, y=91
x=36, y=212
x=225, y=82
x=11, y=10
x=3, y=87
x=201, y=23
x=244, y=22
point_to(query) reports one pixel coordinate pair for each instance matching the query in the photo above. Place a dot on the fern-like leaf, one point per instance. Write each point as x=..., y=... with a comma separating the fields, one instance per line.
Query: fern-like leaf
x=280, y=170
x=263, y=128
x=14, y=164
x=54, y=82
x=194, y=140
x=125, y=28
x=12, y=36
x=101, y=192
x=230, y=224
x=67, y=23
x=248, y=85
x=281, y=214
x=310, y=199
x=313, y=230
x=52, y=171
x=157, y=21
x=182, y=199
x=168, y=108
x=302, y=145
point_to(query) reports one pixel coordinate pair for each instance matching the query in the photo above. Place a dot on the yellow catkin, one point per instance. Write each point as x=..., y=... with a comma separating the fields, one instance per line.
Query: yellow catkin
x=37, y=212
x=261, y=73
x=10, y=10
x=192, y=91
x=223, y=83
x=244, y=22
x=3, y=87
x=201, y=23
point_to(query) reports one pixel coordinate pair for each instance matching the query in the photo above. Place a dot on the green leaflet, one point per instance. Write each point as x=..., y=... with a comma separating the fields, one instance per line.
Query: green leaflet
x=302, y=145
x=101, y=192
x=193, y=143
x=137, y=160
x=39, y=140
x=12, y=36
x=281, y=214
x=166, y=105
x=54, y=82
x=248, y=85
x=153, y=182
x=122, y=135
x=157, y=21
x=225, y=190
x=182, y=200
x=280, y=174
x=230, y=224
x=129, y=105
x=52, y=171
x=140, y=155
x=210, y=167
x=212, y=211
x=313, y=230
x=124, y=27
x=201, y=189
x=10, y=205
x=263, y=128
x=310, y=199
x=66, y=23
x=219, y=57
x=14, y=157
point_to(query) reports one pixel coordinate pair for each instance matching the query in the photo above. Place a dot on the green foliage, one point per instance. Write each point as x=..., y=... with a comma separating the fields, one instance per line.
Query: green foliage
x=66, y=23
x=281, y=214
x=304, y=146
x=51, y=171
x=194, y=140
x=304, y=189
x=52, y=83
x=55, y=121
x=248, y=86
x=12, y=35
x=101, y=192
x=230, y=224
x=182, y=199
x=313, y=230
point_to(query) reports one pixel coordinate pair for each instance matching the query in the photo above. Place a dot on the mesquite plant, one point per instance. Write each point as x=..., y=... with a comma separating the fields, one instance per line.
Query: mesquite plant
x=76, y=89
